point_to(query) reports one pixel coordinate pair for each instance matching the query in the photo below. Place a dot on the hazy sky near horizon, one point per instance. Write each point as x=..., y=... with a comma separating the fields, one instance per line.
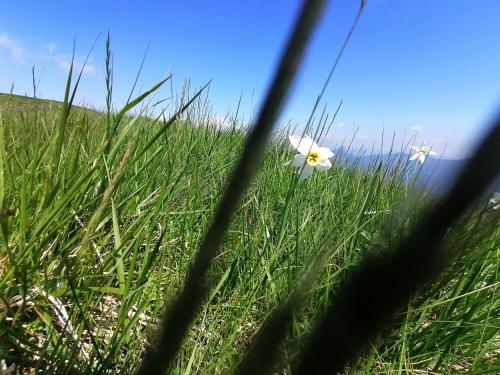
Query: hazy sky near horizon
x=415, y=66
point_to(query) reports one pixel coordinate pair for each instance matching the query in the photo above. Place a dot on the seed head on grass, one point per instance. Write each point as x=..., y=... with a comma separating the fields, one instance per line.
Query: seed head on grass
x=310, y=156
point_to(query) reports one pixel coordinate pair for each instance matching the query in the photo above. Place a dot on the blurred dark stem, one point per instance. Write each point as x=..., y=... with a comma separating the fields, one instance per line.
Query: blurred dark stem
x=180, y=315
x=266, y=346
x=384, y=284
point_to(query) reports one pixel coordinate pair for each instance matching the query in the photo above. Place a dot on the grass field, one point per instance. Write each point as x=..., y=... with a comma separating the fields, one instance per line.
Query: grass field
x=102, y=213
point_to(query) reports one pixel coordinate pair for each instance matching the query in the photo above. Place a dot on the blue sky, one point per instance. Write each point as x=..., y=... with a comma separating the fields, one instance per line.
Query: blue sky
x=426, y=65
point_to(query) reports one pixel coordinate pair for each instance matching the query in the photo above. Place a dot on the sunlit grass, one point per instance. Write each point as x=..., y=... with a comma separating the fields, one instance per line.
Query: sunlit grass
x=102, y=215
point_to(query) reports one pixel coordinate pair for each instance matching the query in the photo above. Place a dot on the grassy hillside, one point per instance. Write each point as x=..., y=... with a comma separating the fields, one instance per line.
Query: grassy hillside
x=13, y=103
x=101, y=217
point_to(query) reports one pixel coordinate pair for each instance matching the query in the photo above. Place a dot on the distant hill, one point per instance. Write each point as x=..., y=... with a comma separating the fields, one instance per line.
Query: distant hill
x=20, y=103
x=435, y=175
x=438, y=174
x=441, y=173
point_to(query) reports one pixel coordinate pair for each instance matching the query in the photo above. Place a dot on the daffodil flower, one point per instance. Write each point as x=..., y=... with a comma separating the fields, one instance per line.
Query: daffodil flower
x=310, y=156
x=421, y=153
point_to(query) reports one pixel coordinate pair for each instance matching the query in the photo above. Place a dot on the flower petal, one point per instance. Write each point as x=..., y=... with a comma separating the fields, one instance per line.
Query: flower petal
x=323, y=165
x=294, y=140
x=303, y=145
x=298, y=160
x=325, y=152
x=433, y=153
x=421, y=158
x=415, y=156
x=306, y=171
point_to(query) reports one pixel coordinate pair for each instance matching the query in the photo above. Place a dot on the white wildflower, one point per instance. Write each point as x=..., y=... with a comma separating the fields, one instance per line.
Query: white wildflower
x=494, y=202
x=310, y=156
x=422, y=152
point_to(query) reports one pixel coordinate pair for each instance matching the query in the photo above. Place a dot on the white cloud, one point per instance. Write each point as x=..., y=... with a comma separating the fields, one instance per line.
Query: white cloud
x=335, y=137
x=51, y=47
x=89, y=68
x=223, y=122
x=5, y=85
x=65, y=64
x=365, y=137
x=45, y=54
x=17, y=52
x=64, y=61
x=417, y=128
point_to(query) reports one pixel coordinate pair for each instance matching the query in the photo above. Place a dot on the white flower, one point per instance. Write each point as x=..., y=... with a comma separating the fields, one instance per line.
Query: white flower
x=494, y=202
x=310, y=156
x=422, y=152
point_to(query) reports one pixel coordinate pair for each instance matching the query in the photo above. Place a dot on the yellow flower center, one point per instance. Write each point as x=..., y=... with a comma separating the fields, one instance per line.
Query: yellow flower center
x=313, y=158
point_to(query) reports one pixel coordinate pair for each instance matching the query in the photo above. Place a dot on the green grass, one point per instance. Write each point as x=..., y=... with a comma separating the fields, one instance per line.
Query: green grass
x=20, y=105
x=99, y=228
